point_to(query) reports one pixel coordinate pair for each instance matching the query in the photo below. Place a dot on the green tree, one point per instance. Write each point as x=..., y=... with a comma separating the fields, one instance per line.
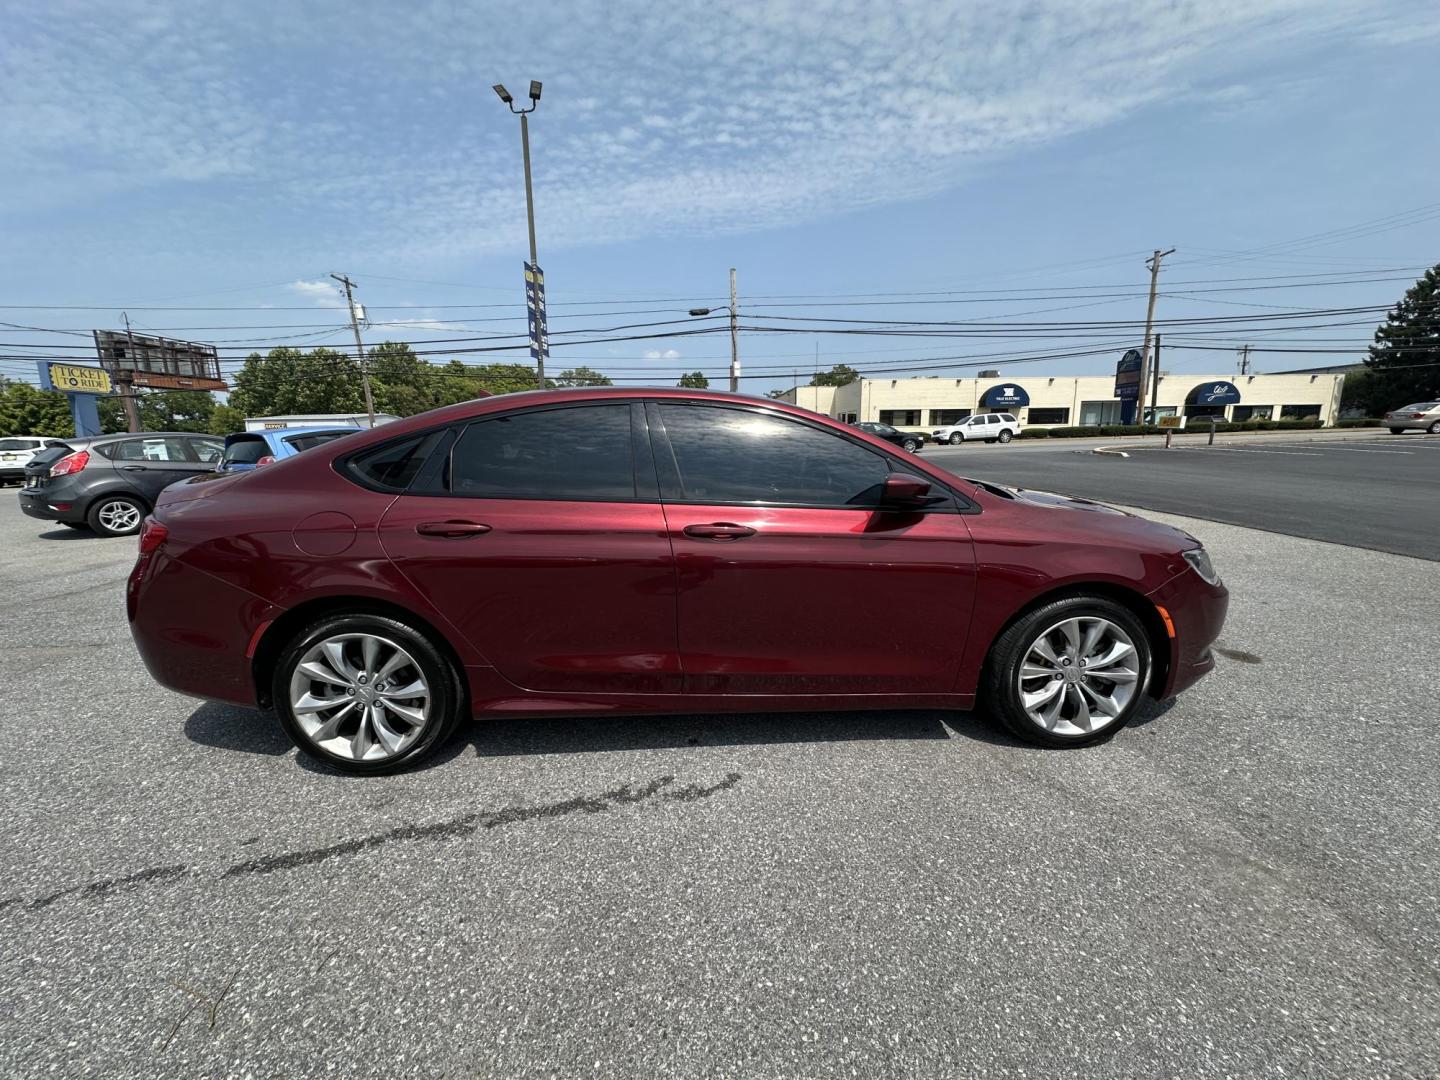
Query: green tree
x=839, y=375
x=582, y=376
x=402, y=382
x=226, y=419
x=176, y=410
x=1405, y=358
x=286, y=380
x=695, y=380
x=28, y=410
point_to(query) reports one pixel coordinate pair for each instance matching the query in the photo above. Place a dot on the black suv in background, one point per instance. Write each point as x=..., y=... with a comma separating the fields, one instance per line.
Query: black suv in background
x=109, y=484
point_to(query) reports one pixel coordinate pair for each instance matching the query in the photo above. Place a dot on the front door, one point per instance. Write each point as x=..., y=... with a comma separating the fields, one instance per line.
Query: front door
x=790, y=580
x=546, y=548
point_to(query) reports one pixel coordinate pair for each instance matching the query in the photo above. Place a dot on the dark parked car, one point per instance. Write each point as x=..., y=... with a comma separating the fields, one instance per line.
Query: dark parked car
x=109, y=484
x=909, y=441
x=603, y=550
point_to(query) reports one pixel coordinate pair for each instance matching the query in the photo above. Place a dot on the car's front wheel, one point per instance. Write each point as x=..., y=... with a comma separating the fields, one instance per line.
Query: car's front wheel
x=1069, y=673
x=910, y=446
x=1005, y=436
x=956, y=439
x=366, y=693
x=116, y=515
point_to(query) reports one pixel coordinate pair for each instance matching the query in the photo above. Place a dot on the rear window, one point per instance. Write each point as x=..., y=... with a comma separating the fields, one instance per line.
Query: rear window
x=19, y=444
x=393, y=466
x=305, y=442
x=1008, y=418
x=246, y=451
x=1420, y=406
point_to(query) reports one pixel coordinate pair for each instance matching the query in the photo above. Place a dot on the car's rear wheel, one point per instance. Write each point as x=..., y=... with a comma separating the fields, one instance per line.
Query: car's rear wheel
x=1397, y=431
x=910, y=446
x=1005, y=436
x=1069, y=673
x=1434, y=429
x=956, y=439
x=366, y=693
x=116, y=515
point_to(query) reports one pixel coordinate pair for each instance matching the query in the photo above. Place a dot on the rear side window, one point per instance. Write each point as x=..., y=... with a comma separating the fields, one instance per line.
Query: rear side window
x=581, y=453
x=393, y=466
x=727, y=455
x=151, y=450
x=1007, y=418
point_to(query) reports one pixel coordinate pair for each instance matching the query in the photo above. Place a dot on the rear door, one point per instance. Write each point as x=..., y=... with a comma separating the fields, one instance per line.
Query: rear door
x=544, y=543
x=150, y=463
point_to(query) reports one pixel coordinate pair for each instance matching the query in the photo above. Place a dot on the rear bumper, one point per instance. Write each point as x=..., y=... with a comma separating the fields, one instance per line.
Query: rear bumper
x=1410, y=425
x=194, y=631
x=40, y=503
x=1197, y=613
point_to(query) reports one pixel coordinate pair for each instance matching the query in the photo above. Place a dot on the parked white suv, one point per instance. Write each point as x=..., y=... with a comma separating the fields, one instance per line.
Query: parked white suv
x=16, y=452
x=992, y=427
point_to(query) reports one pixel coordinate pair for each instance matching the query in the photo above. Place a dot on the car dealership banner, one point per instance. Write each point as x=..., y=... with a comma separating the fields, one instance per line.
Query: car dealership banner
x=535, y=313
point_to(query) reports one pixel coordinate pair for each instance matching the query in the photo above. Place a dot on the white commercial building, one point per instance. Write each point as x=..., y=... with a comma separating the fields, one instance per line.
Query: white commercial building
x=1059, y=400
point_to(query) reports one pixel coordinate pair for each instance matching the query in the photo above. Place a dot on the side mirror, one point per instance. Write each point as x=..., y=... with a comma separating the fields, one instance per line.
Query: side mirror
x=902, y=491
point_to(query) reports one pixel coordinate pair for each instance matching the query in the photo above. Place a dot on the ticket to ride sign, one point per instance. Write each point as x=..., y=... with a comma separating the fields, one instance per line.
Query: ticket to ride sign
x=74, y=379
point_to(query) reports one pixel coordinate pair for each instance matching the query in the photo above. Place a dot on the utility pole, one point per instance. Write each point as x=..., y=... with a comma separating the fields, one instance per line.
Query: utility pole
x=126, y=386
x=1155, y=380
x=1154, y=264
x=1245, y=360
x=359, y=345
x=734, y=338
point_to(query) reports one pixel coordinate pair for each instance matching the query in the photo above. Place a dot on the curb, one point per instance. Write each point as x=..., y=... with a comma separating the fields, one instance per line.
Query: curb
x=1106, y=450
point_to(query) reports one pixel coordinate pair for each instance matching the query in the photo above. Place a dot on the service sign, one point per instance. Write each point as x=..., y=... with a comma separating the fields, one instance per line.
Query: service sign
x=74, y=379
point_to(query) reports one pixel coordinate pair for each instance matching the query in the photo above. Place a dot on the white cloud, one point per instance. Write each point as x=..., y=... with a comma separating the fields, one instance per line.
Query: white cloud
x=325, y=293
x=248, y=134
x=662, y=354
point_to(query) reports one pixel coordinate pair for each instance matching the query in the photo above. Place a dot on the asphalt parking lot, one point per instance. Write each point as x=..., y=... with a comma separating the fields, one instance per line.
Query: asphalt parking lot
x=1245, y=884
x=1373, y=490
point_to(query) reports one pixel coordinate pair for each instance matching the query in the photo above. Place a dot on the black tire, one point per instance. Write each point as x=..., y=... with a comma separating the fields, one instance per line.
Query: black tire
x=956, y=439
x=1397, y=431
x=1434, y=429
x=1002, y=668
x=1005, y=436
x=107, y=510
x=447, y=699
x=910, y=446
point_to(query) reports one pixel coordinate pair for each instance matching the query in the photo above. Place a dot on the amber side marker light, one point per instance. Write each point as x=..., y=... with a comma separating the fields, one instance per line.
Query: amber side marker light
x=1169, y=623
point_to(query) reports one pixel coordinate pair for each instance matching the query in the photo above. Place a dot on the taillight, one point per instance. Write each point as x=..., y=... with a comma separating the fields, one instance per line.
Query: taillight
x=152, y=535
x=1417, y=416
x=268, y=459
x=70, y=463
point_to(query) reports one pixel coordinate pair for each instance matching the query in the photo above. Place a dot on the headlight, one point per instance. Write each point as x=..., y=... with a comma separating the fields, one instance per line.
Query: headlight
x=1199, y=558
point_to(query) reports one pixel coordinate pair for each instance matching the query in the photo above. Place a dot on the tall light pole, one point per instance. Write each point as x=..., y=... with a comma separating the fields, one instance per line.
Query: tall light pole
x=734, y=310
x=539, y=338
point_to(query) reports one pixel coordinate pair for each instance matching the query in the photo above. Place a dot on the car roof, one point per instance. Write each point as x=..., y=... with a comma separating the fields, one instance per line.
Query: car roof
x=117, y=436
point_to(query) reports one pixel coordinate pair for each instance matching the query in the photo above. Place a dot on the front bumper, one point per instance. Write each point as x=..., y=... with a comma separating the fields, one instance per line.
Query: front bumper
x=1197, y=612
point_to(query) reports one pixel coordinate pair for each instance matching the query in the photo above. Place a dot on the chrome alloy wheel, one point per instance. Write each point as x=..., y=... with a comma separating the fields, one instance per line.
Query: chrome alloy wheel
x=119, y=516
x=1079, y=676
x=360, y=696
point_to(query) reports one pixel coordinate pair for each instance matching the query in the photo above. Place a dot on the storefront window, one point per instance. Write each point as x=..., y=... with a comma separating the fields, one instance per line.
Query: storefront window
x=1251, y=412
x=943, y=417
x=900, y=417
x=1049, y=416
x=1098, y=412
x=1299, y=412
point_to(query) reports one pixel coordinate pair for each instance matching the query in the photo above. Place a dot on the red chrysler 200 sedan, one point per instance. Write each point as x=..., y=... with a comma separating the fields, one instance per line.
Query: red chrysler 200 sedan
x=629, y=551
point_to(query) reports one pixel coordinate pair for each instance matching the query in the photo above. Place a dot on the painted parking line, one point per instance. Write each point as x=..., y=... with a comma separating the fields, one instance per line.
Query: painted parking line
x=1351, y=449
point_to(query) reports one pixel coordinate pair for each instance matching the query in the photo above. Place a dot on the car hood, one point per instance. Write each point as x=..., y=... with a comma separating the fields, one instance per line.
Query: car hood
x=1093, y=520
x=1066, y=502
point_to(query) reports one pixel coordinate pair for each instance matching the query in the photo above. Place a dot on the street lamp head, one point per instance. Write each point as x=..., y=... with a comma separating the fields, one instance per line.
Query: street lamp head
x=699, y=311
x=502, y=93
x=534, y=90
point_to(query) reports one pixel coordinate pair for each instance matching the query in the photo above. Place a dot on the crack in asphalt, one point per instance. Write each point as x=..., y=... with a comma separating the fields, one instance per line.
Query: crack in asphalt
x=463, y=825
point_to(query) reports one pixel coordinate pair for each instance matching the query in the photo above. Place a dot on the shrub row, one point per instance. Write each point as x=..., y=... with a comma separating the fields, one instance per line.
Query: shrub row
x=1369, y=422
x=1107, y=430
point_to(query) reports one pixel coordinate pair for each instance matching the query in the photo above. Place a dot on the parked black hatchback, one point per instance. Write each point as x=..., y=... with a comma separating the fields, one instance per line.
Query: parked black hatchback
x=109, y=484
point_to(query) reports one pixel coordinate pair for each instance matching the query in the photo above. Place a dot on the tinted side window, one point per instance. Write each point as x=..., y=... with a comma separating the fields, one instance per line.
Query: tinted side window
x=246, y=451
x=151, y=450
x=746, y=456
x=393, y=466
x=305, y=442
x=206, y=450
x=581, y=453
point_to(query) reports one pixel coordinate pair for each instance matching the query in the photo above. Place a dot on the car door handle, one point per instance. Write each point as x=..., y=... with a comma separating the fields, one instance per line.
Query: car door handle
x=451, y=530
x=721, y=530
x=133, y=468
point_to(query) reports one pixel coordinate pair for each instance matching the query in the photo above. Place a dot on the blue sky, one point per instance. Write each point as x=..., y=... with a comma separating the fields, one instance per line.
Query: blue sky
x=233, y=155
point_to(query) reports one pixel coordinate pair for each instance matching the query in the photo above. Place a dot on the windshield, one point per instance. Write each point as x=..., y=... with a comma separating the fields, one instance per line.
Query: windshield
x=246, y=451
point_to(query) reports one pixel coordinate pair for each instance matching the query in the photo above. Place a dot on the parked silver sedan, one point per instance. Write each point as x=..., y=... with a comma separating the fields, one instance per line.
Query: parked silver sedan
x=1422, y=416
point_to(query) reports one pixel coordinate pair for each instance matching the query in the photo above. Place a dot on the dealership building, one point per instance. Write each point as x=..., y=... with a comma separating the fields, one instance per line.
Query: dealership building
x=1060, y=400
